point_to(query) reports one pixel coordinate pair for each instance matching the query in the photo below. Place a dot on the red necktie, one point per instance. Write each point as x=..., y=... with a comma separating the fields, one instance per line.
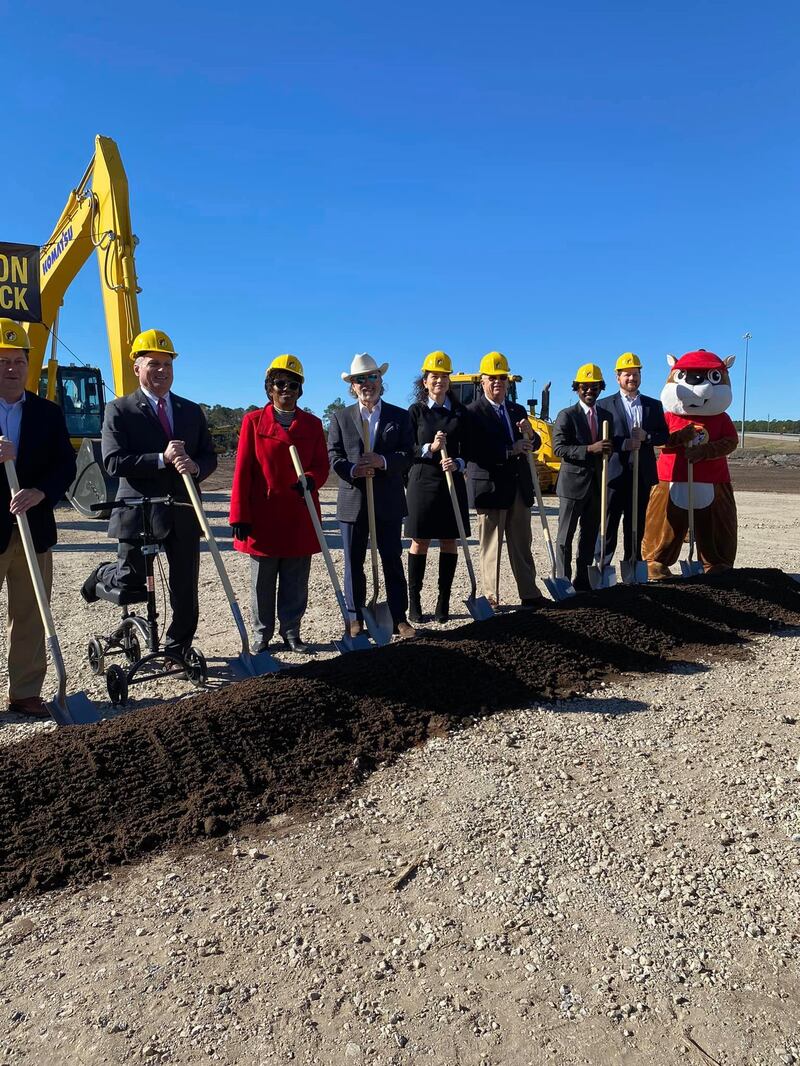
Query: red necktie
x=593, y=424
x=163, y=418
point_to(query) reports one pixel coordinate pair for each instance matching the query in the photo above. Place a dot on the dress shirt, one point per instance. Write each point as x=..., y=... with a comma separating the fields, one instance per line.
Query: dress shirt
x=502, y=412
x=632, y=409
x=152, y=399
x=372, y=418
x=11, y=419
x=426, y=448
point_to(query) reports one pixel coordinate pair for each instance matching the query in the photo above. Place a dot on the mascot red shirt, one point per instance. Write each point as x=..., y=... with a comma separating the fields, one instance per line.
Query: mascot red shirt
x=695, y=398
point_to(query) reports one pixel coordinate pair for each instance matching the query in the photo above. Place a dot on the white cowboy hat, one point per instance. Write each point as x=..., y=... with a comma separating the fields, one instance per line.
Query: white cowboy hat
x=363, y=363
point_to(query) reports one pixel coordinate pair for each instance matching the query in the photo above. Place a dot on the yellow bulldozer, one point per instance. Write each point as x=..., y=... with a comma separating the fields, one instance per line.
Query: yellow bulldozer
x=465, y=387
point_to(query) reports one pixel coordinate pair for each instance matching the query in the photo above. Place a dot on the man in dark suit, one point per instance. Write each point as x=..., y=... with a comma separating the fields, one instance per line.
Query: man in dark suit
x=500, y=479
x=637, y=425
x=578, y=443
x=150, y=439
x=34, y=436
x=387, y=460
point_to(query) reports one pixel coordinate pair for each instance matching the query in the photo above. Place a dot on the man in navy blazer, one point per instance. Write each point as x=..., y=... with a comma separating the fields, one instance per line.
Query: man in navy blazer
x=35, y=437
x=637, y=425
x=150, y=438
x=386, y=462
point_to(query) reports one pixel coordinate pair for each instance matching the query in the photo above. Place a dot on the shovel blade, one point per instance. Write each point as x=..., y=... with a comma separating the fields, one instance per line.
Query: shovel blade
x=689, y=568
x=642, y=576
x=379, y=622
x=347, y=643
x=602, y=577
x=260, y=664
x=479, y=607
x=76, y=709
x=559, y=588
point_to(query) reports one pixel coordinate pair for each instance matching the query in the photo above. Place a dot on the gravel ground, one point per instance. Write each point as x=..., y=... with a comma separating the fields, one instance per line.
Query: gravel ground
x=611, y=879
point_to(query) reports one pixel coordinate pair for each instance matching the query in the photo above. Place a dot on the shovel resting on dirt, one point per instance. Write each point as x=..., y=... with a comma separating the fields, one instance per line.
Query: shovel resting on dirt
x=76, y=709
x=602, y=574
x=377, y=616
x=347, y=643
x=478, y=606
x=690, y=567
x=560, y=588
x=633, y=570
x=247, y=664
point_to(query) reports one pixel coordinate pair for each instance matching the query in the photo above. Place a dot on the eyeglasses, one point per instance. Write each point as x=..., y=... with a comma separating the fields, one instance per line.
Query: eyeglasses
x=497, y=377
x=285, y=385
x=359, y=379
x=588, y=386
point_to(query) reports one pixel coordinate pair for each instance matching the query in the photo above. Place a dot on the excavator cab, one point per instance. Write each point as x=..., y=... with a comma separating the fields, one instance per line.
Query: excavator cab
x=78, y=390
x=79, y=394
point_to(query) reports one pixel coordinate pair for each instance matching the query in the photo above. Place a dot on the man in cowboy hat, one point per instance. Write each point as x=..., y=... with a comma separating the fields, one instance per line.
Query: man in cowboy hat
x=386, y=462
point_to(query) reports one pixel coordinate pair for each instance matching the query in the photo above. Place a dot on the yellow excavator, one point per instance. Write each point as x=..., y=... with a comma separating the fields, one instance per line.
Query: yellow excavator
x=465, y=387
x=96, y=219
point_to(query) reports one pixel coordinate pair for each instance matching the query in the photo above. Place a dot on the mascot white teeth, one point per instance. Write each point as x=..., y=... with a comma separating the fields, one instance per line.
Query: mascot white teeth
x=695, y=398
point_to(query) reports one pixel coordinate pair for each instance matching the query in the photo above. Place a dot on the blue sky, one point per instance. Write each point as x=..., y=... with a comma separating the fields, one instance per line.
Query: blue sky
x=560, y=183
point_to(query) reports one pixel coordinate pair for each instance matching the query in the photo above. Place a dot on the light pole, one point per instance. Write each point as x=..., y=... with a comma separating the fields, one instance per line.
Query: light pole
x=746, y=338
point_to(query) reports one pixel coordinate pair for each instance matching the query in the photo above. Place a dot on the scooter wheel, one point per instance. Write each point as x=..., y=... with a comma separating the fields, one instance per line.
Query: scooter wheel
x=117, y=685
x=131, y=647
x=94, y=653
x=196, y=667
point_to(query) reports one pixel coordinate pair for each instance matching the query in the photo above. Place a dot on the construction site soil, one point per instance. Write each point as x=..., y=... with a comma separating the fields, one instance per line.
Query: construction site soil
x=75, y=802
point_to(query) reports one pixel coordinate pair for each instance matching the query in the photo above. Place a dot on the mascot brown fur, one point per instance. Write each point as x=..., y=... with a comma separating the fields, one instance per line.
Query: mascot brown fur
x=695, y=398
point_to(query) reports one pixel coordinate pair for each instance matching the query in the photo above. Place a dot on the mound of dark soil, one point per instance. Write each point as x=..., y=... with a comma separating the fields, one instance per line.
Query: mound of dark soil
x=76, y=801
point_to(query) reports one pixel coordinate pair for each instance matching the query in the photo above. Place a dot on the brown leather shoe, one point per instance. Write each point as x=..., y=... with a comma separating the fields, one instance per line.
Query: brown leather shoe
x=405, y=631
x=30, y=707
x=356, y=628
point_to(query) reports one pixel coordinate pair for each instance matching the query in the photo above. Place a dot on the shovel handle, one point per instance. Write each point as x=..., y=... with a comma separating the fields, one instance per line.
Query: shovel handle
x=373, y=537
x=604, y=500
x=537, y=488
x=213, y=547
x=635, y=506
x=690, y=502
x=326, y=554
x=462, y=533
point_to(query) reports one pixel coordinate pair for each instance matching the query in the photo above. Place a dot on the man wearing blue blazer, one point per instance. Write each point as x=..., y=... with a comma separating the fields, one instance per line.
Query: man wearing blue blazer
x=637, y=425
x=386, y=462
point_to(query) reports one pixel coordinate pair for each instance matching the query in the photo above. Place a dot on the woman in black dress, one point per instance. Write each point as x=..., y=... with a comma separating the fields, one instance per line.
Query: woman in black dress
x=437, y=420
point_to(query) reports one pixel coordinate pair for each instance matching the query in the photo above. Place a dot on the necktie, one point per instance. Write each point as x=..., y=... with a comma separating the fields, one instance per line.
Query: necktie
x=501, y=411
x=163, y=417
x=593, y=424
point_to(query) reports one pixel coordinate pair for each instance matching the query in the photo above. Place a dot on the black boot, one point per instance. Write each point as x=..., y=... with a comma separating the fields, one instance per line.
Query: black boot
x=447, y=569
x=416, y=575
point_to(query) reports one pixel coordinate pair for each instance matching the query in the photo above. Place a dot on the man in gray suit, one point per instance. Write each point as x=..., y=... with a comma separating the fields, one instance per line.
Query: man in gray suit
x=150, y=439
x=578, y=443
x=387, y=460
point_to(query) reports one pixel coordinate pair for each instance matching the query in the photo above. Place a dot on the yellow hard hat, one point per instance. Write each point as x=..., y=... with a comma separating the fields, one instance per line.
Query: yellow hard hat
x=589, y=373
x=152, y=340
x=287, y=362
x=438, y=362
x=13, y=336
x=628, y=361
x=494, y=363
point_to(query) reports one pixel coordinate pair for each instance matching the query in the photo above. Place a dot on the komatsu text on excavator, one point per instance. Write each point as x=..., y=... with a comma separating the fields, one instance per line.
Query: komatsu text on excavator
x=96, y=218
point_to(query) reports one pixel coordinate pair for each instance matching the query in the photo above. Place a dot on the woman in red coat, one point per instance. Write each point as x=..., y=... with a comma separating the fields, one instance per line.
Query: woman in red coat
x=269, y=517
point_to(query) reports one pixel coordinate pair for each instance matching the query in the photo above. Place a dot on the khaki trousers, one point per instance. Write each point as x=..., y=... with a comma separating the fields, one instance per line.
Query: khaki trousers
x=515, y=525
x=27, y=656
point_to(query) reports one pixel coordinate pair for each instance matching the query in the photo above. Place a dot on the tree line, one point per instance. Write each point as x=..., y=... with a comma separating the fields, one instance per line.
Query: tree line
x=226, y=422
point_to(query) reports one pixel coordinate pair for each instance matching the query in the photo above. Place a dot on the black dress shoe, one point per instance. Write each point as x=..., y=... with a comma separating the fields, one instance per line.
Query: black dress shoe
x=532, y=601
x=294, y=643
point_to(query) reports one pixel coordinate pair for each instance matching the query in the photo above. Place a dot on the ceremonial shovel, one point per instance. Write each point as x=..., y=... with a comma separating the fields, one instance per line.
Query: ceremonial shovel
x=377, y=616
x=347, y=643
x=560, y=588
x=633, y=571
x=690, y=567
x=247, y=664
x=76, y=709
x=601, y=574
x=478, y=606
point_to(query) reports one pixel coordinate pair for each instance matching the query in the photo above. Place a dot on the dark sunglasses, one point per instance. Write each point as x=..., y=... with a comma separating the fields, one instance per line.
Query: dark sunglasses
x=286, y=386
x=359, y=379
x=498, y=377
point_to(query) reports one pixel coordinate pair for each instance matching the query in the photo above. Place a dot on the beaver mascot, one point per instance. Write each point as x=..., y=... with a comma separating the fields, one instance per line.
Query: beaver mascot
x=695, y=398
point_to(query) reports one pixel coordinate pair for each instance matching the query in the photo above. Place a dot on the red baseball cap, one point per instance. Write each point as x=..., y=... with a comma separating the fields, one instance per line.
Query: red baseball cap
x=699, y=360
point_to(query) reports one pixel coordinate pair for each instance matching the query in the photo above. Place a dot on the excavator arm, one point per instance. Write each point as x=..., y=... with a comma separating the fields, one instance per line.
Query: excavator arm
x=96, y=218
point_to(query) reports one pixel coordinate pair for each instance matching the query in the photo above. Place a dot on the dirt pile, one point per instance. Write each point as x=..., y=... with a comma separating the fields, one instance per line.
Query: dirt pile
x=76, y=801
